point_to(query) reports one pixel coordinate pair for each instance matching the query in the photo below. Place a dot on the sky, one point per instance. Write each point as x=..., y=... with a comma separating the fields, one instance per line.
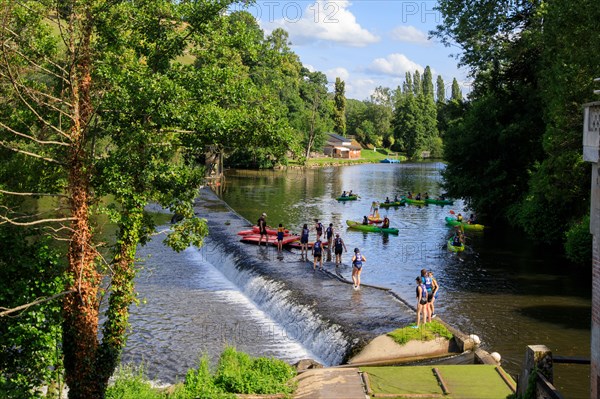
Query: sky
x=367, y=43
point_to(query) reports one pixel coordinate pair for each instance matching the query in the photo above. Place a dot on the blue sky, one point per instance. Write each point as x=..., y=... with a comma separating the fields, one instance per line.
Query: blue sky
x=367, y=43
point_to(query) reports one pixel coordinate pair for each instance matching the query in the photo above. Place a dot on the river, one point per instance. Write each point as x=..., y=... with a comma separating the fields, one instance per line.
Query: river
x=502, y=288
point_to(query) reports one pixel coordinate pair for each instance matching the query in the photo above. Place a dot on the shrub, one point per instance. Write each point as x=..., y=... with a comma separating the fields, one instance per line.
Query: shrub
x=425, y=332
x=131, y=383
x=578, y=243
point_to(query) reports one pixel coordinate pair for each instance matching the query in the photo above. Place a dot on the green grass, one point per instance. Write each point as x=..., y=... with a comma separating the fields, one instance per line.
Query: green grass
x=463, y=381
x=236, y=373
x=130, y=382
x=426, y=332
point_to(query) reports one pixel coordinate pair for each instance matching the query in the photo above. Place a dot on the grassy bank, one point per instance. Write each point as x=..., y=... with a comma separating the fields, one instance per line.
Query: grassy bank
x=235, y=373
x=366, y=156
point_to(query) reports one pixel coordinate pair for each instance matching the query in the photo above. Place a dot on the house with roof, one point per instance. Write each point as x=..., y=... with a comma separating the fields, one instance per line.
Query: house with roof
x=338, y=146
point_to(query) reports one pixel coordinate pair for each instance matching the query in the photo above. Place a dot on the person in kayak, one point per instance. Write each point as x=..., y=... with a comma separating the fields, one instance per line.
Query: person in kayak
x=386, y=223
x=409, y=196
x=459, y=217
x=365, y=220
x=422, y=307
x=317, y=251
x=396, y=198
x=418, y=197
x=426, y=195
x=357, y=264
x=387, y=200
x=471, y=219
x=338, y=245
x=262, y=229
x=344, y=194
x=304, y=242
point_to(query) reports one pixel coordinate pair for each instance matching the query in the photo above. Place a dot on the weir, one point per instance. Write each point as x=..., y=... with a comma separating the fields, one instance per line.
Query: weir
x=325, y=314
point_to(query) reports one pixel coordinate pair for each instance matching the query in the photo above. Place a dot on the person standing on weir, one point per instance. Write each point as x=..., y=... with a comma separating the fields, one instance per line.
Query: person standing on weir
x=262, y=229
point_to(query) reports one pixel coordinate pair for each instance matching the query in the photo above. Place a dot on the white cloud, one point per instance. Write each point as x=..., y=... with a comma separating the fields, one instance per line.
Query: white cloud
x=360, y=89
x=395, y=65
x=410, y=34
x=338, y=72
x=321, y=20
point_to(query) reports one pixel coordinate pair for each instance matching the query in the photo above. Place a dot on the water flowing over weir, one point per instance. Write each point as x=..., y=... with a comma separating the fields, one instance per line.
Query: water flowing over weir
x=315, y=308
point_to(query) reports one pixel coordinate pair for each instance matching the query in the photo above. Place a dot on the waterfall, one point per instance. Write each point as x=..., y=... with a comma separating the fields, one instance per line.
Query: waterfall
x=300, y=323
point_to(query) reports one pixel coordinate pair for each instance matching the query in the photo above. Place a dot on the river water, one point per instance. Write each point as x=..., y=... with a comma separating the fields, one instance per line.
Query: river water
x=501, y=288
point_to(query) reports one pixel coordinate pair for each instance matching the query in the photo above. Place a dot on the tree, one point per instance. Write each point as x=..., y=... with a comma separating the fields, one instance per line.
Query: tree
x=339, y=116
x=91, y=100
x=318, y=109
x=456, y=91
x=440, y=90
x=540, y=59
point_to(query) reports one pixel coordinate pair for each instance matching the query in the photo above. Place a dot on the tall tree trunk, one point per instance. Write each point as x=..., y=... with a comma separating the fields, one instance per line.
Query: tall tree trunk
x=80, y=329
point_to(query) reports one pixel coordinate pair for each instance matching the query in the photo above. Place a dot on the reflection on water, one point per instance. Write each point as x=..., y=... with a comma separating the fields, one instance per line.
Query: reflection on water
x=502, y=288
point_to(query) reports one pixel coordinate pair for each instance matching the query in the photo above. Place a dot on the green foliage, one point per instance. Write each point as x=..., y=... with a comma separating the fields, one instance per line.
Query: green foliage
x=238, y=372
x=415, y=116
x=30, y=355
x=425, y=332
x=578, y=242
x=131, y=383
x=339, y=117
x=542, y=76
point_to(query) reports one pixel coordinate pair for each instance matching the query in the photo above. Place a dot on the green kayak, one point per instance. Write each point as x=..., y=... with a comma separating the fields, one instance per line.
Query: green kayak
x=438, y=201
x=369, y=227
x=390, y=204
x=414, y=201
x=455, y=248
x=348, y=198
x=473, y=227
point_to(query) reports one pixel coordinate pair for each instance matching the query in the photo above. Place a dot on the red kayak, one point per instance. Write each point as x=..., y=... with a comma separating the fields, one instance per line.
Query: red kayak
x=270, y=231
x=254, y=238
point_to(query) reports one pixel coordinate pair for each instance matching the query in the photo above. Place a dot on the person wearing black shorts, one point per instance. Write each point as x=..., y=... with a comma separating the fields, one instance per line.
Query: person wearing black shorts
x=262, y=229
x=317, y=251
x=338, y=245
x=304, y=242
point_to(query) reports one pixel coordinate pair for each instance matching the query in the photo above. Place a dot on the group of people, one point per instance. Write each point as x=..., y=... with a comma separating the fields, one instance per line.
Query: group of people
x=427, y=286
x=427, y=289
x=347, y=194
x=338, y=244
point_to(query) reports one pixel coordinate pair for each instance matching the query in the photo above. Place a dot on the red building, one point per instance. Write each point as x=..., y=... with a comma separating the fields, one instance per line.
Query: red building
x=341, y=147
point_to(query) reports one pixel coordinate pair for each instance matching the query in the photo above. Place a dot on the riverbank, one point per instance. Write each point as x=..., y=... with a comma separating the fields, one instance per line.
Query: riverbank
x=366, y=156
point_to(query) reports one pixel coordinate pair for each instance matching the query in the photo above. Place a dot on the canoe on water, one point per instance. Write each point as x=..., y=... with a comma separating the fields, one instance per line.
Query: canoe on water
x=359, y=226
x=395, y=203
x=438, y=201
x=347, y=198
x=414, y=201
x=453, y=248
x=253, y=239
x=473, y=227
